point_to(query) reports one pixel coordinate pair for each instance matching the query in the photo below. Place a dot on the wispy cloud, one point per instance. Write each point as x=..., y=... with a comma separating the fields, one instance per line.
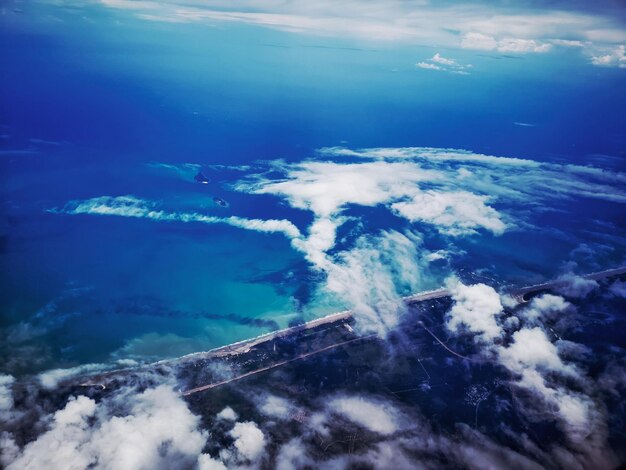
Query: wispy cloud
x=612, y=58
x=454, y=193
x=426, y=65
x=485, y=42
x=130, y=206
x=438, y=62
x=498, y=27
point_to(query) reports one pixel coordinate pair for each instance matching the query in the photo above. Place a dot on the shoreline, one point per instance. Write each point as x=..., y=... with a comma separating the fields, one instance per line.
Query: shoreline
x=241, y=347
x=245, y=345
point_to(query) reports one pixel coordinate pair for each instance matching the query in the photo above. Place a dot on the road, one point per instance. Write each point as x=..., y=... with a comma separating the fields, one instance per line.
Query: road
x=273, y=366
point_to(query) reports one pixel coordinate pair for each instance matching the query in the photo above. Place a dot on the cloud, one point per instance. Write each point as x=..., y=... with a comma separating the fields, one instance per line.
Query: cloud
x=475, y=309
x=6, y=397
x=494, y=26
x=426, y=154
x=130, y=206
x=293, y=455
x=50, y=379
x=533, y=358
x=442, y=60
x=574, y=286
x=426, y=65
x=371, y=278
x=437, y=62
x=327, y=188
x=453, y=213
x=522, y=45
x=206, y=462
x=531, y=349
x=376, y=416
x=544, y=307
x=612, y=58
x=523, y=180
x=618, y=289
x=249, y=441
x=535, y=363
x=156, y=431
x=480, y=41
x=456, y=193
x=276, y=407
x=227, y=414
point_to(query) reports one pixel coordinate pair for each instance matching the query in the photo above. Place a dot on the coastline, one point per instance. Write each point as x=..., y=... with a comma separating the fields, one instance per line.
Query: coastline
x=334, y=319
x=245, y=345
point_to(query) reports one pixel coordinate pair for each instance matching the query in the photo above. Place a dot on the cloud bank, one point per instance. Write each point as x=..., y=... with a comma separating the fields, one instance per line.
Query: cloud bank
x=500, y=26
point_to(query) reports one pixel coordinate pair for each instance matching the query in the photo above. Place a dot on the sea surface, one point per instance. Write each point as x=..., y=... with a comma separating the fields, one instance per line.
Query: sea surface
x=113, y=106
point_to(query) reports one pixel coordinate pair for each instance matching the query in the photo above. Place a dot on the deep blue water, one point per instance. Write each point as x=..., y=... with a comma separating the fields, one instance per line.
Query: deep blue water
x=87, y=106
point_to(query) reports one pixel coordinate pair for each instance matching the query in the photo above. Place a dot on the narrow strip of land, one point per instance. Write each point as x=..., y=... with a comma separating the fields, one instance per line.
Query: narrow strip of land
x=346, y=315
x=273, y=366
x=342, y=318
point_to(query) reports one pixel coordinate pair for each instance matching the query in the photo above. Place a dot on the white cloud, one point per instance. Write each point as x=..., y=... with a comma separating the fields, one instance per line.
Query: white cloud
x=535, y=362
x=531, y=348
x=6, y=395
x=546, y=306
x=249, y=441
x=567, y=43
x=276, y=407
x=615, y=57
x=426, y=65
x=453, y=213
x=475, y=309
x=442, y=60
x=498, y=26
x=60, y=447
x=574, y=286
x=425, y=153
x=130, y=206
x=522, y=181
x=522, y=45
x=227, y=414
x=6, y=398
x=327, y=188
x=293, y=455
x=206, y=462
x=438, y=62
x=51, y=378
x=480, y=41
x=453, y=191
x=377, y=416
x=157, y=431
x=370, y=277
x=534, y=359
